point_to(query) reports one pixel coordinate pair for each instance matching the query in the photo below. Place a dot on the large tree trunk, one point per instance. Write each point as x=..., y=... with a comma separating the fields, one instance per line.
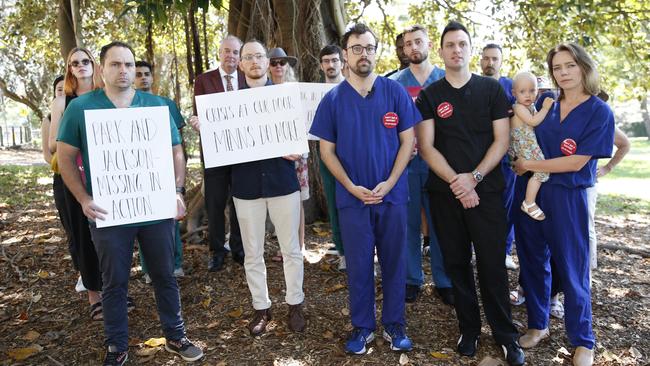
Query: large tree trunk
x=188, y=50
x=196, y=40
x=301, y=28
x=76, y=22
x=65, y=25
x=206, y=50
x=149, y=43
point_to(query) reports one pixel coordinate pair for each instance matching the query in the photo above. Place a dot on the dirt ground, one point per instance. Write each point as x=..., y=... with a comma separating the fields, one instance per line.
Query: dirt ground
x=41, y=315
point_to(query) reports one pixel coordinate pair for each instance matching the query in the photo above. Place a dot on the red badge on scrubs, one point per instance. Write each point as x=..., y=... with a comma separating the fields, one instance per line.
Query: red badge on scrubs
x=445, y=110
x=568, y=147
x=390, y=120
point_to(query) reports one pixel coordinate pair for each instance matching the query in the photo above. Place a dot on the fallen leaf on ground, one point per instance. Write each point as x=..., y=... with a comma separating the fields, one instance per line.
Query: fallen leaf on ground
x=439, y=355
x=345, y=311
x=43, y=274
x=328, y=334
x=155, y=342
x=236, y=313
x=147, y=351
x=31, y=335
x=20, y=354
x=635, y=352
x=403, y=359
x=564, y=351
x=206, y=302
x=489, y=361
x=336, y=287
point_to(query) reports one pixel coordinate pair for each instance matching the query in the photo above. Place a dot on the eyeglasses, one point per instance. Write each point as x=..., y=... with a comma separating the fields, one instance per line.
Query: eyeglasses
x=257, y=56
x=331, y=61
x=278, y=62
x=357, y=49
x=76, y=63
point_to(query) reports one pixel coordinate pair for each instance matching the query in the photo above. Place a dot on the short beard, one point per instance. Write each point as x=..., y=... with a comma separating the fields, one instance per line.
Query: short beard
x=417, y=61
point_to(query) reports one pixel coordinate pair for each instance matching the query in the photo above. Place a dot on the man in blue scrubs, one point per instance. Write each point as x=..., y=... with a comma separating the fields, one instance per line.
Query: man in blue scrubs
x=366, y=129
x=419, y=74
x=469, y=116
x=491, y=60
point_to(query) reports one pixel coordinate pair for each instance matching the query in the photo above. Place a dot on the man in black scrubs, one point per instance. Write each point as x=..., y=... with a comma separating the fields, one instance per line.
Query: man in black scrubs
x=463, y=137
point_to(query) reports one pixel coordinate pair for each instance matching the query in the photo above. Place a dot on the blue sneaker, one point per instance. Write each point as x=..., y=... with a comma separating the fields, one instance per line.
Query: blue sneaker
x=358, y=339
x=396, y=335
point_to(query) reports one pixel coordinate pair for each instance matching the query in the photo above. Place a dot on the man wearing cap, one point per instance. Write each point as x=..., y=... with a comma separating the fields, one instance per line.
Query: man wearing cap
x=217, y=180
x=491, y=60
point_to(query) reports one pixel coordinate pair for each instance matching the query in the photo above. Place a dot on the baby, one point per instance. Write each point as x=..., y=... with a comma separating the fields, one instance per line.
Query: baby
x=523, y=143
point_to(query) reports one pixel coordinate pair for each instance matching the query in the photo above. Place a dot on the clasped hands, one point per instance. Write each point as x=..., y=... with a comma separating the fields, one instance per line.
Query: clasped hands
x=371, y=197
x=462, y=185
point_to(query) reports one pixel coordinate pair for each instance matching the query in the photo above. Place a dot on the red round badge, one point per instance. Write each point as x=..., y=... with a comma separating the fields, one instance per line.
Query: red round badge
x=390, y=120
x=445, y=110
x=568, y=147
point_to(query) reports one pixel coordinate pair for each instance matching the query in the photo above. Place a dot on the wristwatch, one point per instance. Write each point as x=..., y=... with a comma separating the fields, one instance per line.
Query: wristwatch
x=478, y=177
x=180, y=190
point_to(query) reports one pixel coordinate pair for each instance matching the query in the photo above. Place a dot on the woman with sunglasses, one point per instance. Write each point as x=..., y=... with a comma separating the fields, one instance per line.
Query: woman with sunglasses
x=281, y=71
x=79, y=79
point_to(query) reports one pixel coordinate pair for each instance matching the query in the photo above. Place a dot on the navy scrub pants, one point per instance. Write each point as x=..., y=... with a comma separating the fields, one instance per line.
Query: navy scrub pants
x=564, y=235
x=381, y=226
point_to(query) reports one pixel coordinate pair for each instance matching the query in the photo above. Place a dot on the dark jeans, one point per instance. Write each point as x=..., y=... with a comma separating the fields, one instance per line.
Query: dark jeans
x=115, y=249
x=217, y=196
x=80, y=244
x=484, y=227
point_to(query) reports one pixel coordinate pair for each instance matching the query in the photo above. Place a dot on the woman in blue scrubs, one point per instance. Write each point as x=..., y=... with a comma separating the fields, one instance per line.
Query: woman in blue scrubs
x=578, y=129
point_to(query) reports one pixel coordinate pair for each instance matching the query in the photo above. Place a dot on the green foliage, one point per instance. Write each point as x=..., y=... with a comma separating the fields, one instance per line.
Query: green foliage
x=615, y=33
x=19, y=184
x=29, y=49
x=620, y=205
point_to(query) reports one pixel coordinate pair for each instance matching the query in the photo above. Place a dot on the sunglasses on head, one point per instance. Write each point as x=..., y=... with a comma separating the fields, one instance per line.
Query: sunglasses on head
x=76, y=63
x=278, y=62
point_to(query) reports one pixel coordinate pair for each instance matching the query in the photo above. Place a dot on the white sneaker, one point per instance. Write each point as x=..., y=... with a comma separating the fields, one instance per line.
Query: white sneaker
x=147, y=279
x=342, y=266
x=178, y=272
x=79, y=287
x=510, y=263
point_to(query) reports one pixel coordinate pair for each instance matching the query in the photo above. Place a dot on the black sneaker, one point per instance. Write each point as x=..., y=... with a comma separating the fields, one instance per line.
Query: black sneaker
x=412, y=292
x=115, y=358
x=467, y=345
x=184, y=348
x=513, y=354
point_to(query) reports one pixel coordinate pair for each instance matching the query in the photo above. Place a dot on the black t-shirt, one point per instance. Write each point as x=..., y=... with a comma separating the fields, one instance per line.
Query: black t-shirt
x=463, y=126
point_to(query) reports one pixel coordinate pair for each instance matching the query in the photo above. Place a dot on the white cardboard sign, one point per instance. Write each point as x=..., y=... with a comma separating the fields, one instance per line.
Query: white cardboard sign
x=131, y=164
x=311, y=94
x=251, y=124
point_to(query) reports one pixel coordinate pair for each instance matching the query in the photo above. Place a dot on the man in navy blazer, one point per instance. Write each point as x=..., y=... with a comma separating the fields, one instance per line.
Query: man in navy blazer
x=217, y=180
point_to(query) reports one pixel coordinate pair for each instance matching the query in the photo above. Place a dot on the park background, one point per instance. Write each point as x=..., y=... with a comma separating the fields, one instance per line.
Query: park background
x=41, y=316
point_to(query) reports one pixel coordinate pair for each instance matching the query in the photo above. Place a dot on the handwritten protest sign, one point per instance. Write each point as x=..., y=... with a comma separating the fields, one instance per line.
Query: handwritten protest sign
x=310, y=95
x=131, y=165
x=251, y=124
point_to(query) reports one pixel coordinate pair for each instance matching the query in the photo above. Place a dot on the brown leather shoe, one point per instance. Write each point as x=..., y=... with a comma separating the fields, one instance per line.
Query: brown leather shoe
x=296, y=318
x=258, y=324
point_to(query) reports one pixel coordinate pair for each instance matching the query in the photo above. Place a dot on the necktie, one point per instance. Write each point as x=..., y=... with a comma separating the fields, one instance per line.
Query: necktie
x=229, y=83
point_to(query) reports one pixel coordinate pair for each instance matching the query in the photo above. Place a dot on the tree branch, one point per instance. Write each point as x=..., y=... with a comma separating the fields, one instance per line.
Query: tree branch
x=20, y=99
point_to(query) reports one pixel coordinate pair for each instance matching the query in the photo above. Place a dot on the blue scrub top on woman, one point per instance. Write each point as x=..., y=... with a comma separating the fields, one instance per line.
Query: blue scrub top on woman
x=587, y=130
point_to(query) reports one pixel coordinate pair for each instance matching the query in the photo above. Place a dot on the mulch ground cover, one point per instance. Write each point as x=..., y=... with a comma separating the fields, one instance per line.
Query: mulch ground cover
x=43, y=321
